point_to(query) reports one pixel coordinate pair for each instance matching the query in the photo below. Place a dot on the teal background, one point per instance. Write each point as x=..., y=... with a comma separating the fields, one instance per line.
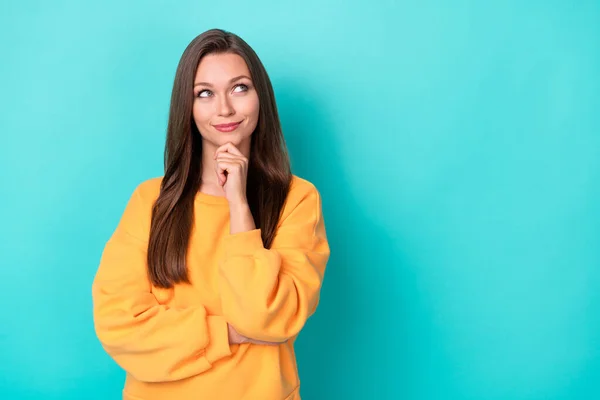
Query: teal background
x=455, y=144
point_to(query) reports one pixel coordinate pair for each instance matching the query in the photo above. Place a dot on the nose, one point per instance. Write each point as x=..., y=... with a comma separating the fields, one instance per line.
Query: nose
x=225, y=109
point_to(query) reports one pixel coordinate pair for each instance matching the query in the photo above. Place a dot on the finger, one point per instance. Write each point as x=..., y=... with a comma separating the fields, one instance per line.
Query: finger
x=227, y=155
x=229, y=165
x=226, y=166
x=221, y=168
x=231, y=156
x=221, y=177
x=229, y=147
x=232, y=160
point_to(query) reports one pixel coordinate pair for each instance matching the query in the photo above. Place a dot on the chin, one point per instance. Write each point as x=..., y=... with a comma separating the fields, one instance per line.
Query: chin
x=234, y=137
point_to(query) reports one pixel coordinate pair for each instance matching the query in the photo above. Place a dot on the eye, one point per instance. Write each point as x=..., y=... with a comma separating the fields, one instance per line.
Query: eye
x=204, y=93
x=241, y=86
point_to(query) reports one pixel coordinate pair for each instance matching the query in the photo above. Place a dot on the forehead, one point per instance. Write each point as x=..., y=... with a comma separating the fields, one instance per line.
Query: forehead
x=220, y=68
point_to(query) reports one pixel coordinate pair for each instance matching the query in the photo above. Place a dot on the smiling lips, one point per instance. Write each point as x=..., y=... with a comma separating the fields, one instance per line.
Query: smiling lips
x=227, y=127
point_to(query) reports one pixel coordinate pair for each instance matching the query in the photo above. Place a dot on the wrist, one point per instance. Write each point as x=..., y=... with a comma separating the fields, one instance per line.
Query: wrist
x=234, y=336
x=240, y=217
x=240, y=204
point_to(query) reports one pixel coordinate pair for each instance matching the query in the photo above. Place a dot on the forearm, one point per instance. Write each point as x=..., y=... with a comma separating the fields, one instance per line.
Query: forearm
x=268, y=294
x=240, y=217
x=237, y=338
x=150, y=340
x=241, y=220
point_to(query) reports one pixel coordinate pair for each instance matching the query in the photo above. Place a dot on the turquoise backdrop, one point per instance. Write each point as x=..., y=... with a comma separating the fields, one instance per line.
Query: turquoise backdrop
x=456, y=145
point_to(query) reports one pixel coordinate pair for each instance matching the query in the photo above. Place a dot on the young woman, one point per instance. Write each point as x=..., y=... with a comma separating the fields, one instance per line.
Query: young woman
x=214, y=267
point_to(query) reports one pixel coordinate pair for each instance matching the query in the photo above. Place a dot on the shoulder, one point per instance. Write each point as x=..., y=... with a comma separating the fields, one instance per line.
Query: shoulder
x=302, y=193
x=149, y=189
x=303, y=200
x=136, y=217
x=301, y=190
x=302, y=185
x=145, y=194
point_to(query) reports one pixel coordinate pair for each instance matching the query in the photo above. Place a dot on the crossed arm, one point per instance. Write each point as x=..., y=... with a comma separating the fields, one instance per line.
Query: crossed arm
x=267, y=294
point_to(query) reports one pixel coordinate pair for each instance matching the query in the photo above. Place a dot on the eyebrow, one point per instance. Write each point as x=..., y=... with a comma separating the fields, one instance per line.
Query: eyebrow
x=237, y=78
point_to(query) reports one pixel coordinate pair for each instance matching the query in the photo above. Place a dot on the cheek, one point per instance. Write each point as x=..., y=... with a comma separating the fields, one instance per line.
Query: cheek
x=249, y=107
x=201, y=113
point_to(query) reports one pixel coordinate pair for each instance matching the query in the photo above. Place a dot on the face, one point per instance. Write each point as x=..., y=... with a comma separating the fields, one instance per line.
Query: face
x=225, y=102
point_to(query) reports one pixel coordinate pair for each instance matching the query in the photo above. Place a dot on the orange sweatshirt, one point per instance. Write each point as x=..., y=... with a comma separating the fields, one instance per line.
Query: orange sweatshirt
x=173, y=343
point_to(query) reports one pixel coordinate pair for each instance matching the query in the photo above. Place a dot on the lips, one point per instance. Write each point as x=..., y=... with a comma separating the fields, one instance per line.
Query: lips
x=227, y=127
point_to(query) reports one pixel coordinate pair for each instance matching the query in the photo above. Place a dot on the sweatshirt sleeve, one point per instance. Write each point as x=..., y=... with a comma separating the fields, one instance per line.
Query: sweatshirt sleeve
x=151, y=341
x=268, y=294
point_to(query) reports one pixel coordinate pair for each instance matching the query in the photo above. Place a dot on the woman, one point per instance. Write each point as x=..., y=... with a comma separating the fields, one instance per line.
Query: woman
x=214, y=267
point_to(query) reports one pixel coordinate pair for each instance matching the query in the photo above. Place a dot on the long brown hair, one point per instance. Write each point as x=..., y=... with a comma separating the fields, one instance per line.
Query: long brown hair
x=269, y=172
